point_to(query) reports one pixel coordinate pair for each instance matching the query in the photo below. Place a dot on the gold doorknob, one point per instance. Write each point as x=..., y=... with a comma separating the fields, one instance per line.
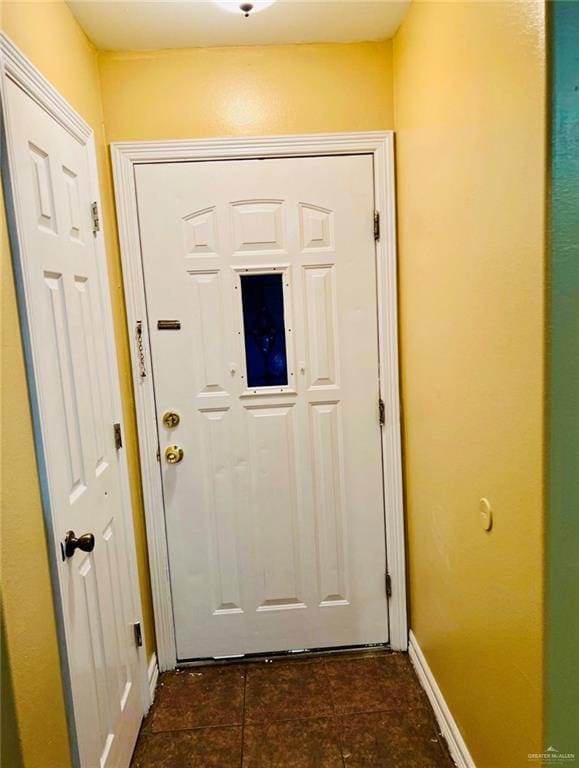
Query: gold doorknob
x=173, y=454
x=171, y=419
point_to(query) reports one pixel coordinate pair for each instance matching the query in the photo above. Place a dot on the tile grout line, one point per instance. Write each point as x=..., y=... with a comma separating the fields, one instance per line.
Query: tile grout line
x=243, y=717
x=335, y=717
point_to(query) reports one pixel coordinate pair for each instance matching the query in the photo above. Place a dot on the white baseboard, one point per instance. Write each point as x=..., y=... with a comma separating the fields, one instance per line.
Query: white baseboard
x=448, y=727
x=153, y=676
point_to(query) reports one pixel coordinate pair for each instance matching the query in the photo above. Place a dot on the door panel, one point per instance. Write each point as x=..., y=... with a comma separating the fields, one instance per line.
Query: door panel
x=66, y=311
x=278, y=546
x=329, y=502
x=321, y=326
x=275, y=518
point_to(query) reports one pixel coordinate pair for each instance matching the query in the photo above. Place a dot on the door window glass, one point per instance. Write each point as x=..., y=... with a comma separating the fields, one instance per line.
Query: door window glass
x=264, y=330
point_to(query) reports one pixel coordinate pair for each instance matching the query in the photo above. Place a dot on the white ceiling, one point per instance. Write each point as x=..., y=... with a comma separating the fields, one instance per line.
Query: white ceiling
x=130, y=25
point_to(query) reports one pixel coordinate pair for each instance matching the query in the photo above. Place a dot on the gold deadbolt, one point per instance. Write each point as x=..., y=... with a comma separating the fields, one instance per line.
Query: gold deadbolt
x=173, y=454
x=171, y=419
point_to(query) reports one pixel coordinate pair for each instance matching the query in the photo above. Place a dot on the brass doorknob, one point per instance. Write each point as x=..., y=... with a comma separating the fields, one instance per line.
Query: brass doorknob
x=171, y=419
x=173, y=454
x=84, y=543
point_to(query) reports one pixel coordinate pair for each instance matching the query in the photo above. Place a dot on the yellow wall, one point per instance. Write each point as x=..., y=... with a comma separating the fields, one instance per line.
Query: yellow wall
x=247, y=91
x=470, y=120
x=49, y=36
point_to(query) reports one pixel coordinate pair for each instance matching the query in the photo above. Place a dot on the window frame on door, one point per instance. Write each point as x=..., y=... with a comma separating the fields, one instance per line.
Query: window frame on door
x=17, y=68
x=380, y=144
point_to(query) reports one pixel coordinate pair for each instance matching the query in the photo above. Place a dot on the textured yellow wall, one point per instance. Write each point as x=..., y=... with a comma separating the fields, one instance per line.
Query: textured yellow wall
x=470, y=121
x=50, y=37
x=206, y=92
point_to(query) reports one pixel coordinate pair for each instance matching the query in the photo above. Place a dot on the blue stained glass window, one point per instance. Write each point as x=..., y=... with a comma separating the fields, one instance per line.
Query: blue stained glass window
x=264, y=326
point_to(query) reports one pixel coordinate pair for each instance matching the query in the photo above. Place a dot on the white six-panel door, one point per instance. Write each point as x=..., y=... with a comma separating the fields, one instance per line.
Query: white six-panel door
x=275, y=515
x=65, y=293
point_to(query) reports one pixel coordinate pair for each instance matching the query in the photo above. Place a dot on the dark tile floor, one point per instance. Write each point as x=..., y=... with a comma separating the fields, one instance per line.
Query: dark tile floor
x=363, y=710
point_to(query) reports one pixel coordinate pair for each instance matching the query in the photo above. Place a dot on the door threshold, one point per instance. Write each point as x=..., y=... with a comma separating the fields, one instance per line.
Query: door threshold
x=250, y=658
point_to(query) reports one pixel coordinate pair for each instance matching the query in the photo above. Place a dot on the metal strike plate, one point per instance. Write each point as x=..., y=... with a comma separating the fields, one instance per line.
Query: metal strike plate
x=171, y=419
x=168, y=325
x=173, y=454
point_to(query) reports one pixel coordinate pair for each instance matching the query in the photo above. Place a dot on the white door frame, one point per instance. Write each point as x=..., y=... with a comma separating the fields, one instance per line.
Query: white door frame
x=15, y=67
x=125, y=156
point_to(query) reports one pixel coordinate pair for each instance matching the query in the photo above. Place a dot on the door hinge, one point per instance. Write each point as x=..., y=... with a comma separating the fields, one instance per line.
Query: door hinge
x=94, y=212
x=138, y=634
x=376, y=225
x=118, y=435
x=381, y=412
x=388, y=585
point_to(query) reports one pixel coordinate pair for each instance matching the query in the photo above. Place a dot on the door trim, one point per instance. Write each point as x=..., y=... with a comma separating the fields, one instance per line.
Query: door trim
x=125, y=156
x=15, y=67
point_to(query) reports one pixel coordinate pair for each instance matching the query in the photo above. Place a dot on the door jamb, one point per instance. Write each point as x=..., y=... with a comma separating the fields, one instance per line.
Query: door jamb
x=125, y=156
x=15, y=66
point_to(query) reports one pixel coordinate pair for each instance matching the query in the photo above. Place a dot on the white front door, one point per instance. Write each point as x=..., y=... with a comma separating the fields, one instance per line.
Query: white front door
x=65, y=294
x=260, y=280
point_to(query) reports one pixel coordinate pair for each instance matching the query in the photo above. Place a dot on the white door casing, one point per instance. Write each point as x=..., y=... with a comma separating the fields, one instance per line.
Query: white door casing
x=49, y=171
x=126, y=157
x=275, y=516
